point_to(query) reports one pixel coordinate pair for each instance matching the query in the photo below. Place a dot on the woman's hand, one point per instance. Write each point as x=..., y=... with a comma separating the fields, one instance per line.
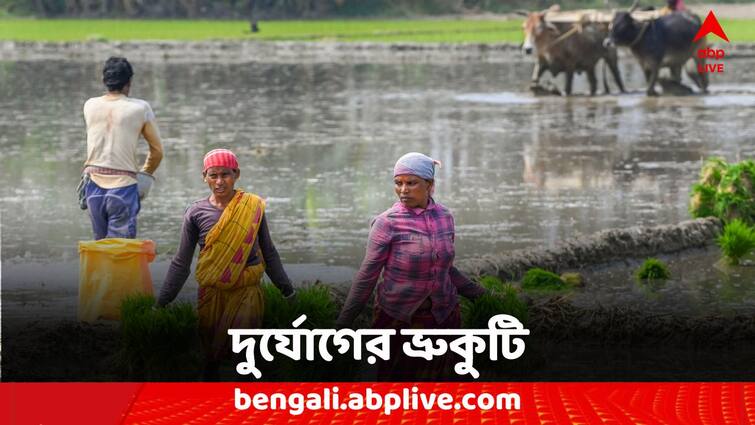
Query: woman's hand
x=291, y=298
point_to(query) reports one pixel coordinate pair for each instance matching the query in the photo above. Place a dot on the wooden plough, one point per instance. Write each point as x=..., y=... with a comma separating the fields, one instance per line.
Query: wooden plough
x=596, y=16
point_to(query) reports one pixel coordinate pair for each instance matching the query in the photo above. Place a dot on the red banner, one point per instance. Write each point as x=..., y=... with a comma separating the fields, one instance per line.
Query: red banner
x=361, y=403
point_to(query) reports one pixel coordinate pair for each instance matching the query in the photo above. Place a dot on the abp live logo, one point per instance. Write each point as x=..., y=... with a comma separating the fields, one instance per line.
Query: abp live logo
x=711, y=25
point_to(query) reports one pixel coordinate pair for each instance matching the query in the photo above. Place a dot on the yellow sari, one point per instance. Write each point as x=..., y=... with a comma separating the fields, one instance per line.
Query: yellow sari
x=230, y=295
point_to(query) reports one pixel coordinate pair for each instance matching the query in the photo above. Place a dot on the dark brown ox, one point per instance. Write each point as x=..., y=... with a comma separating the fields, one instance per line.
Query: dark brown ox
x=663, y=42
x=569, y=48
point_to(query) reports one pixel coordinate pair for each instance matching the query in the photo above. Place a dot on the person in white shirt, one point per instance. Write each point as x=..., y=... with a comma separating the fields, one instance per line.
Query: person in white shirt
x=114, y=183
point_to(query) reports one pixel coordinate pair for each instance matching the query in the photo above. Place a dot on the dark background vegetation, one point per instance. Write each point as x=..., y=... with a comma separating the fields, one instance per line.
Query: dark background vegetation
x=291, y=9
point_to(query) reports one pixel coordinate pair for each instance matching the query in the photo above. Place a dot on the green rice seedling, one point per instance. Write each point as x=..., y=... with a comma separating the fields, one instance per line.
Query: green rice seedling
x=492, y=283
x=317, y=303
x=540, y=279
x=653, y=269
x=726, y=191
x=734, y=197
x=503, y=299
x=158, y=343
x=278, y=311
x=732, y=206
x=736, y=241
x=573, y=280
x=702, y=201
x=512, y=304
x=712, y=171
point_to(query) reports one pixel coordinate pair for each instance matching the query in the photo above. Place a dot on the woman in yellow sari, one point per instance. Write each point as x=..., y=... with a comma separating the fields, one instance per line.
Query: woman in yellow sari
x=235, y=249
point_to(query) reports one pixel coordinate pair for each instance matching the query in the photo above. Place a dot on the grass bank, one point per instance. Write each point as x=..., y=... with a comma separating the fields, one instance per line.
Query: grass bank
x=342, y=30
x=388, y=31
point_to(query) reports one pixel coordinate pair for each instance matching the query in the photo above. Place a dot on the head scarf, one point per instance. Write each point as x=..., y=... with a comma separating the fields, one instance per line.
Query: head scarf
x=416, y=164
x=220, y=158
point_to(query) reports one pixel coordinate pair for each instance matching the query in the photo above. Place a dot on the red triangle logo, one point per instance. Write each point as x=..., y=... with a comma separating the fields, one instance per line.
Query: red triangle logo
x=711, y=25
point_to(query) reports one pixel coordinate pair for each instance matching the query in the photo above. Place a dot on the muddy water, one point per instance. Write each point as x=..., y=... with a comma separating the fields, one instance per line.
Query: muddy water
x=319, y=141
x=700, y=285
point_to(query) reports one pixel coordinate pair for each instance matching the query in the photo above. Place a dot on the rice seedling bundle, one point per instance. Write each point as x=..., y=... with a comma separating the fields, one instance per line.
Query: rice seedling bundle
x=734, y=198
x=317, y=303
x=158, y=343
x=724, y=191
x=502, y=299
x=540, y=279
x=653, y=269
x=736, y=241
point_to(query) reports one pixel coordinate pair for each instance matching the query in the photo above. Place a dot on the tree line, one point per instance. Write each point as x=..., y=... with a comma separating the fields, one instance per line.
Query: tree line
x=287, y=9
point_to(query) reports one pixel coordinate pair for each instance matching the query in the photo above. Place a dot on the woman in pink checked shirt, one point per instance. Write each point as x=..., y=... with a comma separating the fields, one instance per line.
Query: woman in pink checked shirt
x=412, y=243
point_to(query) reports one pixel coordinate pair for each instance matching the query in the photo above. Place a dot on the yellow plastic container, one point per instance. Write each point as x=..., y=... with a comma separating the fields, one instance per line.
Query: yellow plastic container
x=109, y=271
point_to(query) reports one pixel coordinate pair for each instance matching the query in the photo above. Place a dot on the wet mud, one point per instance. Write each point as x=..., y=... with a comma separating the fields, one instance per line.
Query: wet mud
x=568, y=341
x=283, y=51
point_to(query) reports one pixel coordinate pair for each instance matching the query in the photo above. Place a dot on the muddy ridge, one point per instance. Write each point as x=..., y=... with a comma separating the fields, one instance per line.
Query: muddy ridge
x=601, y=248
x=286, y=52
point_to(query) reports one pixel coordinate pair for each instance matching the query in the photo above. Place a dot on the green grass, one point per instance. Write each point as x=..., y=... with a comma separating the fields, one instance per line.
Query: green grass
x=738, y=30
x=398, y=30
x=334, y=30
x=425, y=30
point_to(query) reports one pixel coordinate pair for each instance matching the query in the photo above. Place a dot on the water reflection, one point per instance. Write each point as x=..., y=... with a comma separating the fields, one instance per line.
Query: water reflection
x=319, y=141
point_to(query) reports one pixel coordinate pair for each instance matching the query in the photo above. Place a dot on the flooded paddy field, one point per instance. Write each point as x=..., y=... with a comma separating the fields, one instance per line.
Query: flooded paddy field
x=319, y=140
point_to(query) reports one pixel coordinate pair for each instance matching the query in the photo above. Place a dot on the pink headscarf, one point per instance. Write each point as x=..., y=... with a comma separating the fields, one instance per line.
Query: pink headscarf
x=220, y=158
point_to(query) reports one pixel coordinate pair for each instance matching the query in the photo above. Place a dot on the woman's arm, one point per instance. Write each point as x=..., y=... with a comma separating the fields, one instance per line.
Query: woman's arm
x=273, y=265
x=465, y=286
x=180, y=267
x=378, y=248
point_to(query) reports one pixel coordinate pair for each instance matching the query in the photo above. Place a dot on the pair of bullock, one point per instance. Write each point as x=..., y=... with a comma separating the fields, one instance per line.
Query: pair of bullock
x=575, y=47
